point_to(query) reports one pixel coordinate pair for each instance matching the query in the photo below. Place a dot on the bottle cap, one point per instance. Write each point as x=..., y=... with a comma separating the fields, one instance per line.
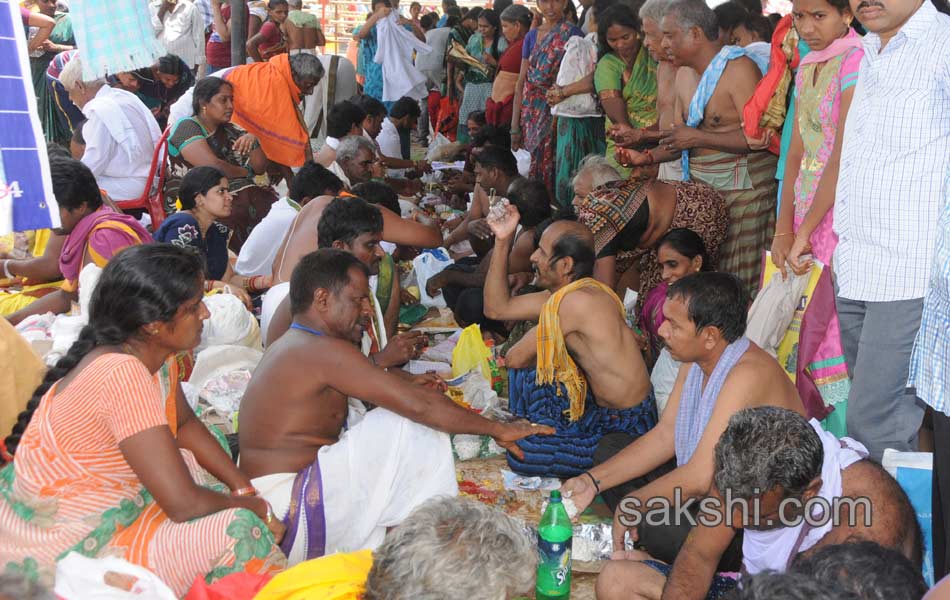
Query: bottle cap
x=555, y=496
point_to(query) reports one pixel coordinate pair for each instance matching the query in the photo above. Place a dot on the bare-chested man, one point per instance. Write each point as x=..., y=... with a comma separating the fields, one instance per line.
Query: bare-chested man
x=579, y=319
x=772, y=464
x=302, y=29
x=723, y=373
x=707, y=123
x=651, y=14
x=340, y=476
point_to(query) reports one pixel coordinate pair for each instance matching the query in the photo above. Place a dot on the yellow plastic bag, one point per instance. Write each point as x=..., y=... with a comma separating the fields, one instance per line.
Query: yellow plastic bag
x=470, y=353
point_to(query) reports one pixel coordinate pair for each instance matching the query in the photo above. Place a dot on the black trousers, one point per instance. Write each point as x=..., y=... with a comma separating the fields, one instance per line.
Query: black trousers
x=941, y=495
x=662, y=542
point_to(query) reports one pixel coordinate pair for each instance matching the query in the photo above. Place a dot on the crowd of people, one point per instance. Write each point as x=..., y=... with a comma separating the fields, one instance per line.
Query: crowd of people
x=711, y=244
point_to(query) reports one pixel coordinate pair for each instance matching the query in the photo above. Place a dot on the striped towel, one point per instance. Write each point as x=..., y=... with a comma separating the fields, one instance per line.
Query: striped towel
x=114, y=36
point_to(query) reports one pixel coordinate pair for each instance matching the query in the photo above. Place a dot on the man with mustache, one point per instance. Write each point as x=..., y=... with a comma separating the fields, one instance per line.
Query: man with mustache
x=894, y=160
x=581, y=338
x=887, y=214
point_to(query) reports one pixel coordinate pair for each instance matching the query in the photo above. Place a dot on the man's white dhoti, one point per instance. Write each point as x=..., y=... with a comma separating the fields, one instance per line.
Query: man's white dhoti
x=381, y=469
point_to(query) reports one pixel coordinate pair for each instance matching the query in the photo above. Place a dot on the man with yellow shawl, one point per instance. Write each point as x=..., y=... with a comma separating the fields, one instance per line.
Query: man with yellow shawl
x=579, y=319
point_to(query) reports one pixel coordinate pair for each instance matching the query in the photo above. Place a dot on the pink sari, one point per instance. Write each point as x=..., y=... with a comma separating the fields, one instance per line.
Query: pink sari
x=818, y=113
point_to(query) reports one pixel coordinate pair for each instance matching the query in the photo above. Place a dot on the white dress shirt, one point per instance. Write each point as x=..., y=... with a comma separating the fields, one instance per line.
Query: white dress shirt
x=894, y=163
x=260, y=249
x=121, y=135
x=181, y=31
x=389, y=146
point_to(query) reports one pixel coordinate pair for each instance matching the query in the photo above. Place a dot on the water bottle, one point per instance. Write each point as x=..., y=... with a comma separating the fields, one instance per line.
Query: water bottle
x=554, y=552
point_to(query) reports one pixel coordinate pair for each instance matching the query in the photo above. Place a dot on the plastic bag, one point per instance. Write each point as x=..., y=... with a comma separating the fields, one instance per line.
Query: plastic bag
x=523, y=158
x=107, y=578
x=428, y=264
x=437, y=142
x=580, y=60
x=471, y=353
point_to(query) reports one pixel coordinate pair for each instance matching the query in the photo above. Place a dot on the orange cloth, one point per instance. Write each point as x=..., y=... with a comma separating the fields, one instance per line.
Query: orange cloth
x=769, y=103
x=265, y=104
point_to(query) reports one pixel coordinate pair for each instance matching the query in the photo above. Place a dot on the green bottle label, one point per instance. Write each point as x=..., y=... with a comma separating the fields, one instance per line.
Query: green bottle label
x=554, y=568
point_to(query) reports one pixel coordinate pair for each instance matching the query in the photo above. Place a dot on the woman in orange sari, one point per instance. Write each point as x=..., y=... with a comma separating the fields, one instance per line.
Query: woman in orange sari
x=108, y=458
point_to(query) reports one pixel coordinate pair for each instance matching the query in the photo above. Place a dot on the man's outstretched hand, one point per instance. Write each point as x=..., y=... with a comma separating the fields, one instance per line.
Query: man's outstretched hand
x=518, y=430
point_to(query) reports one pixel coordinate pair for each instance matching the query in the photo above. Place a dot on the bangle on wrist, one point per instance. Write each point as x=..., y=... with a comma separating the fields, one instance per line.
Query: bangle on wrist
x=6, y=269
x=649, y=155
x=781, y=234
x=596, y=482
x=244, y=491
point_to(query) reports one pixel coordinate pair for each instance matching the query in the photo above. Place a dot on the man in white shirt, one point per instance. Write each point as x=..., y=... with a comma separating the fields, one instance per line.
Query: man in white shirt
x=891, y=187
x=343, y=119
x=258, y=252
x=393, y=139
x=120, y=132
x=180, y=27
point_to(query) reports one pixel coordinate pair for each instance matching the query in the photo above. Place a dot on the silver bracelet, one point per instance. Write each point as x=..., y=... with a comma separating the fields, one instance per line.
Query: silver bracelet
x=6, y=269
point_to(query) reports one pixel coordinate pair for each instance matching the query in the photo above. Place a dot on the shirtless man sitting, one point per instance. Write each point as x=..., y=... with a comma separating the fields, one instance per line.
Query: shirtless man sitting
x=495, y=169
x=772, y=462
x=354, y=225
x=723, y=373
x=302, y=29
x=605, y=348
x=707, y=123
x=337, y=475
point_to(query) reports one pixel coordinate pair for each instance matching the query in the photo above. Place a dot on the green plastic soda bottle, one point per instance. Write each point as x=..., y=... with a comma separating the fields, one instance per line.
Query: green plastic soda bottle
x=555, y=532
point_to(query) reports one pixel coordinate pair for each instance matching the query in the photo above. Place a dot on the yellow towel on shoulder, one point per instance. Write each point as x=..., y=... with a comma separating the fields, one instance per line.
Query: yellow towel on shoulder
x=554, y=362
x=334, y=577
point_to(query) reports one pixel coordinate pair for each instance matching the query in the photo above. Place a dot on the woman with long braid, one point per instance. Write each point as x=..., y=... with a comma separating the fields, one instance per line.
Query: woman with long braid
x=108, y=458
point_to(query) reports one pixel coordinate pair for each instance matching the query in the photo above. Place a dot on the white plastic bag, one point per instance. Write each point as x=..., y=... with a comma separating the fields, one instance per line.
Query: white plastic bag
x=437, y=142
x=523, y=158
x=108, y=578
x=427, y=265
x=580, y=60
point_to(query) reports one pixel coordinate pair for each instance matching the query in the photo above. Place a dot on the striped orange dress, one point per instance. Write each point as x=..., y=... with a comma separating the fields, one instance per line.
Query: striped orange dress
x=71, y=489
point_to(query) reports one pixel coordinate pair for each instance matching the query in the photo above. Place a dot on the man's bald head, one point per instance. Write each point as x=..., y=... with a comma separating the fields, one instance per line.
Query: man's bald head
x=564, y=239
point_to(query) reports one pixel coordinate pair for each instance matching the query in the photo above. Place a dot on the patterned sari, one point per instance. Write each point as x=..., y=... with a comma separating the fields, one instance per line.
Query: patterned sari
x=251, y=201
x=822, y=78
x=637, y=87
x=537, y=123
x=70, y=488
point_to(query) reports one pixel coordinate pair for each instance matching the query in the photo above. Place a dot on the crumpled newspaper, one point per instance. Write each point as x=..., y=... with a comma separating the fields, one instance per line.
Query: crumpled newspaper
x=516, y=482
x=224, y=392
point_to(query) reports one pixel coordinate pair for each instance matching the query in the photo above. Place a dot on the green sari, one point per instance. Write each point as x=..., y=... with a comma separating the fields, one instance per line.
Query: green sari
x=638, y=89
x=55, y=128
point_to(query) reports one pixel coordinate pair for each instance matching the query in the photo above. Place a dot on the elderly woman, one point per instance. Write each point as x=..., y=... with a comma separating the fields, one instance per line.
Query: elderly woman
x=628, y=217
x=531, y=121
x=208, y=139
x=205, y=201
x=108, y=458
